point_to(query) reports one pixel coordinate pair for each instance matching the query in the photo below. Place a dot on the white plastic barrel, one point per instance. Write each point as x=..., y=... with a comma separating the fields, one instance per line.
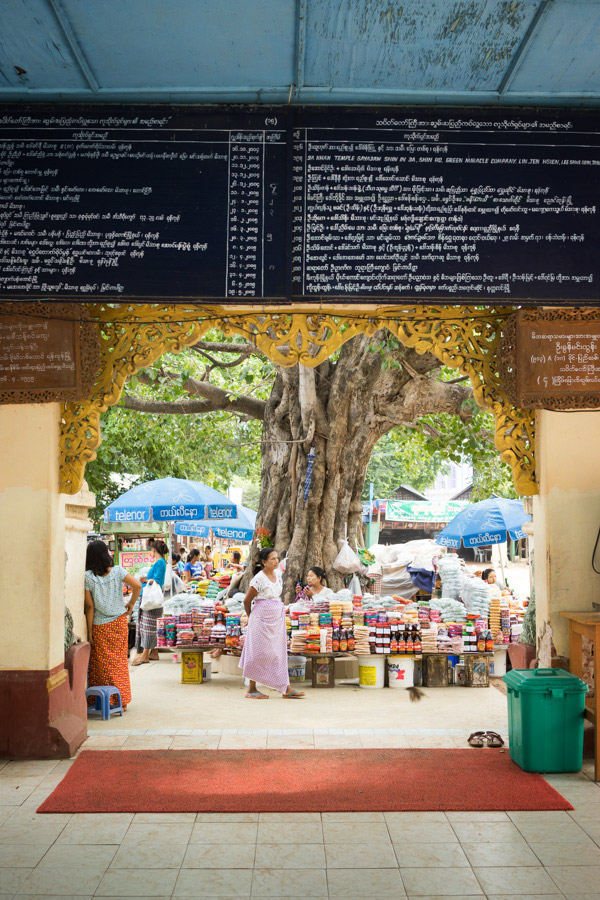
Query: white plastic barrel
x=401, y=671
x=371, y=671
x=297, y=668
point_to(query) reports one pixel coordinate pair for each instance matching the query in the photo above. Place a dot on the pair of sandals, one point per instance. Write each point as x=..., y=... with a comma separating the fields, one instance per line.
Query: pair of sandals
x=481, y=738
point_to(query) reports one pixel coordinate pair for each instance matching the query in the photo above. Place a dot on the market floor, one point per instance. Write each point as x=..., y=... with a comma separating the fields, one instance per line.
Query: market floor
x=161, y=702
x=427, y=855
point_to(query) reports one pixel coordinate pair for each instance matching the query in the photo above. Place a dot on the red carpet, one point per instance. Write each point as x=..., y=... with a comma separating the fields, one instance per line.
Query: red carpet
x=297, y=781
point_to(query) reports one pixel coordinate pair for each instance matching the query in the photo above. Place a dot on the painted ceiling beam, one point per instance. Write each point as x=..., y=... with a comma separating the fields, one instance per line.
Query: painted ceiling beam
x=524, y=46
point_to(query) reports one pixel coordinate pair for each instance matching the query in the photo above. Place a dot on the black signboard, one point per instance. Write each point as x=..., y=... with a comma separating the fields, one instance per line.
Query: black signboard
x=313, y=204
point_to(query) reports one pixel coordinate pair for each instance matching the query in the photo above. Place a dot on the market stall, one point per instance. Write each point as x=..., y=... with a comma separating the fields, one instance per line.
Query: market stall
x=458, y=637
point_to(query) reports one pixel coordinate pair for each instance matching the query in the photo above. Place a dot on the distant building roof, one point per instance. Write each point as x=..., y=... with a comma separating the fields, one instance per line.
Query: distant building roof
x=465, y=494
x=406, y=492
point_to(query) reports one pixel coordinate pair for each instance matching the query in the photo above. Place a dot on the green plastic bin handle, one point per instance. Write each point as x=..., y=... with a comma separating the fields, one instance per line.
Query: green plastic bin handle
x=557, y=694
x=553, y=672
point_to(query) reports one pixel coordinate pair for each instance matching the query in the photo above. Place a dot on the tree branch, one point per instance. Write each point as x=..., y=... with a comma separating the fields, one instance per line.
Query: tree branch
x=224, y=365
x=216, y=347
x=424, y=396
x=214, y=399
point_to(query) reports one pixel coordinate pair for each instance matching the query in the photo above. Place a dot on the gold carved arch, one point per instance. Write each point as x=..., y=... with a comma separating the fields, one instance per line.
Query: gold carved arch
x=134, y=336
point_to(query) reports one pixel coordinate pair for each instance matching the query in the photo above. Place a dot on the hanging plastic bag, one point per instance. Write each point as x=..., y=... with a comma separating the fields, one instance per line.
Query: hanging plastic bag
x=152, y=598
x=354, y=587
x=347, y=562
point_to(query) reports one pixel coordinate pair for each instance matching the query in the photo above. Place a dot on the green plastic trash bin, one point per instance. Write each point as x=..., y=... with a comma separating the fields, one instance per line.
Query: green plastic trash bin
x=545, y=719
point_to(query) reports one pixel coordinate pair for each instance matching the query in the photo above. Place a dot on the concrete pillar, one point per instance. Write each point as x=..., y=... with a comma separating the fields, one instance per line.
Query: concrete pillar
x=77, y=525
x=566, y=519
x=41, y=711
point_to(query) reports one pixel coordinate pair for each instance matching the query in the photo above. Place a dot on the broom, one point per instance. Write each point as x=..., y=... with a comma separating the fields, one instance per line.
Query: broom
x=415, y=694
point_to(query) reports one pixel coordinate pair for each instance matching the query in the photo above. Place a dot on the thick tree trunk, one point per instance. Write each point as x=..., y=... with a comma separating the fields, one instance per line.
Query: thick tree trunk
x=341, y=409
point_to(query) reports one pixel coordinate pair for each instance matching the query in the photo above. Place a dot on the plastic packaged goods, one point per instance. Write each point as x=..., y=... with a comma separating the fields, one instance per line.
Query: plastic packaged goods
x=450, y=571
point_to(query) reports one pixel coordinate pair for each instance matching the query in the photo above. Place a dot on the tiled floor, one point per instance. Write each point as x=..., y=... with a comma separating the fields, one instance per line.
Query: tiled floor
x=425, y=855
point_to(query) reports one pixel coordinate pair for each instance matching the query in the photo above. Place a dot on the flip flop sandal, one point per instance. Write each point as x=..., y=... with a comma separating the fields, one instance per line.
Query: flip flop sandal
x=493, y=739
x=476, y=739
x=257, y=696
x=294, y=695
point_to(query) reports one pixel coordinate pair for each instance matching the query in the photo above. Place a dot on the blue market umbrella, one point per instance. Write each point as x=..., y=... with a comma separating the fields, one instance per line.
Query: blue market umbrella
x=239, y=529
x=487, y=522
x=171, y=500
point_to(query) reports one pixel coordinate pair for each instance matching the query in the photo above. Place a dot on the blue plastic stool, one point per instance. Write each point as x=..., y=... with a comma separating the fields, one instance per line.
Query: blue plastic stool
x=102, y=697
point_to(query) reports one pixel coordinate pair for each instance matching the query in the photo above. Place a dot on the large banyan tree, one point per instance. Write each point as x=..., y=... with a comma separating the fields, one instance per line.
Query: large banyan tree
x=319, y=428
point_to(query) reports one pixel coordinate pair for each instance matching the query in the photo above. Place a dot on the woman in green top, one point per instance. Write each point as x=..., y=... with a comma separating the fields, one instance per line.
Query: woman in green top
x=106, y=616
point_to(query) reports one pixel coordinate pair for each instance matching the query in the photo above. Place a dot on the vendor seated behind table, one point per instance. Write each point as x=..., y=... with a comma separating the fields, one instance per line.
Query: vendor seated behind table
x=490, y=576
x=193, y=566
x=236, y=561
x=316, y=587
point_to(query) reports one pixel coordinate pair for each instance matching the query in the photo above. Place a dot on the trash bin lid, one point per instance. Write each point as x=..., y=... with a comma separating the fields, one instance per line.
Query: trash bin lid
x=540, y=680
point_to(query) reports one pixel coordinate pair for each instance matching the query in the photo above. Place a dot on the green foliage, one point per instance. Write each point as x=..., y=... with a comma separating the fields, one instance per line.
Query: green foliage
x=138, y=447
x=416, y=458
x=402, y=457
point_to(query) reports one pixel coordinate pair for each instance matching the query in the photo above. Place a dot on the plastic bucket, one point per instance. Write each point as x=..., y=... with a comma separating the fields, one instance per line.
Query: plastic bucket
x=401, y=671
x=371, y=671
x=297, y=668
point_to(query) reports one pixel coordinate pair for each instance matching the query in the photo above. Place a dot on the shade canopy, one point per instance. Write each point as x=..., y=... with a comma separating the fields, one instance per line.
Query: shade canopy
x=171, y=500
x=487, y=522
x=239, y=529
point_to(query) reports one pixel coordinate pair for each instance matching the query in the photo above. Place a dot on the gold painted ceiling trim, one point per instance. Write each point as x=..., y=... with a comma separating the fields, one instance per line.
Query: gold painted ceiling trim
x=135, y=336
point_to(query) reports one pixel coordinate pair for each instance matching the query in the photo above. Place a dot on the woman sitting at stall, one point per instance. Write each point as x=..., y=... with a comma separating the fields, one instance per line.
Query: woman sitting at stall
x=264, y=657
x=145, y=637
x=106, y=616
x=236, y=561
x=490, y=576
x=316, y=587
x=193, y=563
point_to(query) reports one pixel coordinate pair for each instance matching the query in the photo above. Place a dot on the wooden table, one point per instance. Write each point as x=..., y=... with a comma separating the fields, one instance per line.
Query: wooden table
x=323, y=671
x=587, y=624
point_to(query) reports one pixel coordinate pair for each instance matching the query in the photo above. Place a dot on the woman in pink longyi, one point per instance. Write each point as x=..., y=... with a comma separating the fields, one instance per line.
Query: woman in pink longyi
x=264, y=657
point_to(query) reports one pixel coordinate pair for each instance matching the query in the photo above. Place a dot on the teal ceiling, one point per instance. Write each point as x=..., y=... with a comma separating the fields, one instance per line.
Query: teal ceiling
x=512, y=52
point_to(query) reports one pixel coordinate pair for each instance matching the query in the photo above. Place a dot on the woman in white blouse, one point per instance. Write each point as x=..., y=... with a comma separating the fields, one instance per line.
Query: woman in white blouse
x=264, y=657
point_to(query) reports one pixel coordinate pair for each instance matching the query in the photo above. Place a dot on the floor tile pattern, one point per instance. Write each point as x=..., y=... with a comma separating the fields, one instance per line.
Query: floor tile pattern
x=494, y=855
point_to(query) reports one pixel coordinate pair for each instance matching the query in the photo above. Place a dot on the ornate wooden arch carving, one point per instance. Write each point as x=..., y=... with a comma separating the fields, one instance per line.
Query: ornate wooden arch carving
x=134, y=336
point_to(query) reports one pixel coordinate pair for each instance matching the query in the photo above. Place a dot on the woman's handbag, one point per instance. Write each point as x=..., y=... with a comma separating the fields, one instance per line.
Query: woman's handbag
x=152, y=598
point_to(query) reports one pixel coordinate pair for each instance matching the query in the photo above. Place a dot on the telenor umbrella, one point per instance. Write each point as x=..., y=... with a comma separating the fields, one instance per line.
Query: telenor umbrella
x=239, y=529
x=171, y=500
x=486, y=522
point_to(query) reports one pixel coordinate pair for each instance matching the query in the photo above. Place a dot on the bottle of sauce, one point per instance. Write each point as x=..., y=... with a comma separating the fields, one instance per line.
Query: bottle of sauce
x=351, y=640
x=409, y=642
x=401, y=642
x=335, y=641
x=343, y=642
x=394, y=642
x=489, y=642
x=417, y=646
x=481, y=642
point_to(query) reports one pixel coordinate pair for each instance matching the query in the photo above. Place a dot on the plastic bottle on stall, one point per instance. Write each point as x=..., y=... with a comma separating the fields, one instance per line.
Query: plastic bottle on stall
x=401, y=642
x=351, y=640
x=410, y=647
x=343, y=642
x=417, y=644
x=489, y=642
